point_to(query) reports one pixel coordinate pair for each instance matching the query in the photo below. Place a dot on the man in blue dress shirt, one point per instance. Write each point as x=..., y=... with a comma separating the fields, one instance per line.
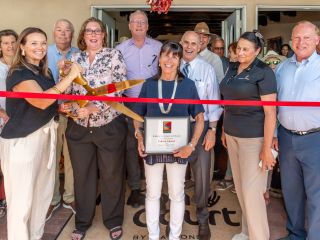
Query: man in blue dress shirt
x=298, y=79
x=60, y=50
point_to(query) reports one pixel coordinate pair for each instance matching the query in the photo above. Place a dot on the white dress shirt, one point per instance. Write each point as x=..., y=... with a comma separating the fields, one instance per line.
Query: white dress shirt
x=215, y=61
x=203, y=74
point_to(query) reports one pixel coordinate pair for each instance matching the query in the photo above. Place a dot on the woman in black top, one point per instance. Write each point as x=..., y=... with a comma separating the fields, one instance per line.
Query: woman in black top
x=27, y=143
x=248, y=132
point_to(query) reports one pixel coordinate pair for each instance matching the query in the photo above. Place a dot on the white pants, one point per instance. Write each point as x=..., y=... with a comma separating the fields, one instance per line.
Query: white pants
x=28, y=166
x=176, y=177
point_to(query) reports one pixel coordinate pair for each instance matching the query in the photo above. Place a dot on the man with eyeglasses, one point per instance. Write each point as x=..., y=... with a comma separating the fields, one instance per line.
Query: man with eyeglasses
x=141, y=55
x=203, y=31
x=217, y=47
x=61, y=50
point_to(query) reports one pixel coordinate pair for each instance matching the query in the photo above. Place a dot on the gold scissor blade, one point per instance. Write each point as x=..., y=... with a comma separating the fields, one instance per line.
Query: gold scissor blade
x=115, y=87
x=126, y=111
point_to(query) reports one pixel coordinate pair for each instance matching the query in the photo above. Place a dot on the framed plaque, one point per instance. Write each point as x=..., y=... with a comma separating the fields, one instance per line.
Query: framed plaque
x=165, y=134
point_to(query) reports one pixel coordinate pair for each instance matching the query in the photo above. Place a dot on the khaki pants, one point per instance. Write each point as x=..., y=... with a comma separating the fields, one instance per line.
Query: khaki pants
x=28, y=166
x=68, y=195
x=250, y=182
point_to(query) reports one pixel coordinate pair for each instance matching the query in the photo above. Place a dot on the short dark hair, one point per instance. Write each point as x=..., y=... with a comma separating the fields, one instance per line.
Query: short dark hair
x=176, y=49
x=255, y=37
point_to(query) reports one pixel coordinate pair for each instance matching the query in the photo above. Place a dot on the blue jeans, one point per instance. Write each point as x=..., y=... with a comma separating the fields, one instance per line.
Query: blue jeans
x=299, y=158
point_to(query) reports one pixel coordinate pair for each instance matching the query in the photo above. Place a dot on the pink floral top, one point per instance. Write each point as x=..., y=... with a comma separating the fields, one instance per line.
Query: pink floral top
x=107, y=67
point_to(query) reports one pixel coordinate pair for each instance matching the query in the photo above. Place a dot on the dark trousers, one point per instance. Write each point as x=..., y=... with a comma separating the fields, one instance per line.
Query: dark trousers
x=93, y=150
x=200, y=167
x=132, y=156
x=299, y=158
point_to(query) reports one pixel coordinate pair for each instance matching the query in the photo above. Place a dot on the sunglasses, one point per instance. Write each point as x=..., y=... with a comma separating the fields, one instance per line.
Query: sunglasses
x=275, y=62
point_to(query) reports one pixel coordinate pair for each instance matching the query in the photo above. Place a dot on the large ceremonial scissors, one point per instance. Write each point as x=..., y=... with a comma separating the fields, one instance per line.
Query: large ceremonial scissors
x=107, y=89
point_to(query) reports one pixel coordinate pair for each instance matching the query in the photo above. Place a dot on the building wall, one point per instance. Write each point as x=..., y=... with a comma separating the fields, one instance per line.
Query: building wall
x=18, y=14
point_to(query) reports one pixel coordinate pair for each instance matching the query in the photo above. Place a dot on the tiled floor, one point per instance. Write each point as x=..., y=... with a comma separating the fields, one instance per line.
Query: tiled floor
x=55, y=225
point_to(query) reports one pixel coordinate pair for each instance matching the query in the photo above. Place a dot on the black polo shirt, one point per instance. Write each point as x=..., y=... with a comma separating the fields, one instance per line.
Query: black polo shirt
x=256, y=80
x=24, y=118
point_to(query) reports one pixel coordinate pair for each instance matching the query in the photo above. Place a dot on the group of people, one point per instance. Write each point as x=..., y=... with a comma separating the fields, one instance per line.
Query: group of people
x=100, y=145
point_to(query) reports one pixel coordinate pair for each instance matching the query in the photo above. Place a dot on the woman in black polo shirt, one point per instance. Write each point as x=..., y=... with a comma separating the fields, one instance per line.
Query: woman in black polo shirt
x=248, y=132
x=27, y=142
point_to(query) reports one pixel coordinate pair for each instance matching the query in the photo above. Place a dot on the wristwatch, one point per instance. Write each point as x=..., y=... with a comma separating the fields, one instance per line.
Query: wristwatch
x=192, y=146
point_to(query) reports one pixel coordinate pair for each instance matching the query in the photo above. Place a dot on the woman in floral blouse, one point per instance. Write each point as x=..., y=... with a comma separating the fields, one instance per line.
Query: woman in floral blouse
x=96, y=135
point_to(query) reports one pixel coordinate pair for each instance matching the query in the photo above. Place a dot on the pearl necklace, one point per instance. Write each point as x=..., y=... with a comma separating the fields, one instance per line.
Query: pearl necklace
x=172, y=97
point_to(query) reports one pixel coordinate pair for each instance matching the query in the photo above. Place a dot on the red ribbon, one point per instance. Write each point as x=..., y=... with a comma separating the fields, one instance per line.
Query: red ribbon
x=156, y=100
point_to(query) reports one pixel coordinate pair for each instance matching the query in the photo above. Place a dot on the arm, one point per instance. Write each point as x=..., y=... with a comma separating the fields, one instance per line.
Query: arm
x=185, y=151
x=33, y=86
x=139, y=136
x=214, y=111
x=266, y=156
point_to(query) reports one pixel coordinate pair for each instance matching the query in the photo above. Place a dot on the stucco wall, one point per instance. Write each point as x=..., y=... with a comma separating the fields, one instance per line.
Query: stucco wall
x=18, y=14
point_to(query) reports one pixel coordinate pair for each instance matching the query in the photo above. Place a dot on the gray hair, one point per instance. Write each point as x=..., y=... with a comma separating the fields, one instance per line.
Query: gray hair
x=66, y=21
x=136, y=13
x=316, y=29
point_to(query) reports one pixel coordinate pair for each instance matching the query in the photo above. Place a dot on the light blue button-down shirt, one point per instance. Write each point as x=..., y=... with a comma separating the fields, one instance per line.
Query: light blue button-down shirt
x=299, y=82
x=141, y=63
x=204, y=76
x=54, y=56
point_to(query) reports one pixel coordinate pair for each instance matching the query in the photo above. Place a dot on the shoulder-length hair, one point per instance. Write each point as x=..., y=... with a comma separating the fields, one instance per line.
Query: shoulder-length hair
x=5, y=33
x=19, y=60
x=176, y=49
x=81, y=43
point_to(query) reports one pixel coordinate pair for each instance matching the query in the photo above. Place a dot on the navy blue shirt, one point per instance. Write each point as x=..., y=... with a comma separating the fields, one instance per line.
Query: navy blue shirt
x=186, y=89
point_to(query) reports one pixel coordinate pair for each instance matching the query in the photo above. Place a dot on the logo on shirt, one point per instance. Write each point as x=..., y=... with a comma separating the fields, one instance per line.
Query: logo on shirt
x=167, y=126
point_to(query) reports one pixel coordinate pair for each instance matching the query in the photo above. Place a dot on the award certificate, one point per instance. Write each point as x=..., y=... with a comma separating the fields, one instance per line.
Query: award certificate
x=165, y=134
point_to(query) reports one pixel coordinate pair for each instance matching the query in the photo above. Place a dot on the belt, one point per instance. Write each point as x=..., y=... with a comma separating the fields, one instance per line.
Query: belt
x=302, y=133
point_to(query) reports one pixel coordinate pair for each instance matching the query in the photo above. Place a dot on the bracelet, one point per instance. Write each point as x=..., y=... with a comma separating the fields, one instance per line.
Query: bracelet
x=212, y=128
x=136, y=132
x=192, y=146
x=54, y=88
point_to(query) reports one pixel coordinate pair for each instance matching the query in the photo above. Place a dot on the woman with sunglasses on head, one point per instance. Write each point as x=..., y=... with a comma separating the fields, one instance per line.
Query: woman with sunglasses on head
x=27, y=142
x=248, y=132
x=96, y=135
x=8, y=39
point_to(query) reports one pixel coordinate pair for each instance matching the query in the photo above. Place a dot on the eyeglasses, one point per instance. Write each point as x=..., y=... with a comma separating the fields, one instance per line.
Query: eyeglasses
x=275, y=62
x=142, y=22
x=219, y=48
x=89, y=31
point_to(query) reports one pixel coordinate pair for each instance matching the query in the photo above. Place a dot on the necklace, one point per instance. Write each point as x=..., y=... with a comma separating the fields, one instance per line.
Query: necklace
x=172, y=97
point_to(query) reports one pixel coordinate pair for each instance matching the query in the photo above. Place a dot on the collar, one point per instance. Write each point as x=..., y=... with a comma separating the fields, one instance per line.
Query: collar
x=57, y=50
x=146, y=41
x=192, y=63
x=304, y=61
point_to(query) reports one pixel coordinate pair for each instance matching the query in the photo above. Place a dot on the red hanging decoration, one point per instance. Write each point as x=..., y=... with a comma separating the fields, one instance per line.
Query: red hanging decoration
x=160, y=6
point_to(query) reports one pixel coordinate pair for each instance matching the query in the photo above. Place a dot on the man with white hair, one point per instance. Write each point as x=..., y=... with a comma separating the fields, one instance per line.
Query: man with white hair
x=203, y=74
x=61, y=50
x=298, y=79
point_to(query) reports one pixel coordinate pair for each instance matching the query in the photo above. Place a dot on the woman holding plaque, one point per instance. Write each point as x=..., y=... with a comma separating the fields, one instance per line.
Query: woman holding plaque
x=96, y=135
x=170, y=83
x=248, y=132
